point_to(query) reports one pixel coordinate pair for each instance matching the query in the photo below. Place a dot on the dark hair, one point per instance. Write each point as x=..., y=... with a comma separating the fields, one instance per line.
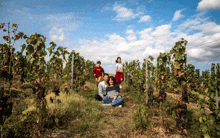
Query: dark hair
x=113, y=78
x=117, y=59
x=105, y=74
x=98, y=62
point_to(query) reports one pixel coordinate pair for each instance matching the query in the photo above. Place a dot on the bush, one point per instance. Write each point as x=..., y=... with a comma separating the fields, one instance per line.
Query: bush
x=140, y=118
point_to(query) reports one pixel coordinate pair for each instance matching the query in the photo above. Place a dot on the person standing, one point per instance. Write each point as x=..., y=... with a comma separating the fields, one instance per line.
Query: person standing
x=119, y=76
x=98, y=72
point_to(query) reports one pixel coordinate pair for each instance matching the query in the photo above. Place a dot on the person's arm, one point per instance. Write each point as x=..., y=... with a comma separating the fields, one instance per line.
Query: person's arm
x=117, y=90
x=117, y=67
x=120, y=68
x=101, y=93
x=124, y=67
x=114, y=98
x=106, y=93
x=94, y=71
x=103, y=72
x=117, y=93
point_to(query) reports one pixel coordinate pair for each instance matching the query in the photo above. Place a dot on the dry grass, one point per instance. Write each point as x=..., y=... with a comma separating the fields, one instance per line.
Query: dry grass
x=113, y=122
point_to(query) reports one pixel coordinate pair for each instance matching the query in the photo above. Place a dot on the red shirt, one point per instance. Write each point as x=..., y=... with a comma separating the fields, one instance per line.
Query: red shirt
x=98, y=71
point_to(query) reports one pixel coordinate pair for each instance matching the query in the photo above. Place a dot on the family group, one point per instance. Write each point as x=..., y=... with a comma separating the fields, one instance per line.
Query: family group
x=109, y=89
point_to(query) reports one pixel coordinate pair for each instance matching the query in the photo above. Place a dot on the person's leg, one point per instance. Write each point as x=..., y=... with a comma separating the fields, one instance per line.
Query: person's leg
x=120, y=80
x=117, y=101
x=99, y=78
x=96, y=79
x=106, y=100
x=98, y=97
x=122, y=77
x=116, y=78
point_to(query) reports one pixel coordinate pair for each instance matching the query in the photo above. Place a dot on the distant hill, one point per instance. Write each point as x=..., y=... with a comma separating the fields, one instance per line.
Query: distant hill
x=111, y=74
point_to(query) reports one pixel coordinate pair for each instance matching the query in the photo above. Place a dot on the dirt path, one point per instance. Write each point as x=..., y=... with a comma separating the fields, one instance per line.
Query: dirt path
x=119, y=122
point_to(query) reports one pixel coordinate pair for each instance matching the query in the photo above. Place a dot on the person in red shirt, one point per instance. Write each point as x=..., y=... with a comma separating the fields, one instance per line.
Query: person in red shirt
x=98, y=72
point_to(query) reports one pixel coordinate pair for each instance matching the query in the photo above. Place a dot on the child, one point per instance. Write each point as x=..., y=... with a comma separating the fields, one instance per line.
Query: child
x=98, y=72
x=119, y=76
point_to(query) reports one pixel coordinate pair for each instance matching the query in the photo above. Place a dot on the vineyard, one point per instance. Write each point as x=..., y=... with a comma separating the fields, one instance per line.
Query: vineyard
x=44, y=99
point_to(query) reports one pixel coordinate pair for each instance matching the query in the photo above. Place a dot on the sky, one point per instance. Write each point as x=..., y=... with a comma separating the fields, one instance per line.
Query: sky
x=133, y=30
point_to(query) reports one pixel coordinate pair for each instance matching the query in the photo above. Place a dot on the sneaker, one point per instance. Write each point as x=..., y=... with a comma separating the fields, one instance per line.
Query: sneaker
x=120, y=86
x=120, y=106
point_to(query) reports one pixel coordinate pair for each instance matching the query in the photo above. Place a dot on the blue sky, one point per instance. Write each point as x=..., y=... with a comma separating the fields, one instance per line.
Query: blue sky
x=133, y=29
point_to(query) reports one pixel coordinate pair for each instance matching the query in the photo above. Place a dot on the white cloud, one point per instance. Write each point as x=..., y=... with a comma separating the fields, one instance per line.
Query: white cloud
x=122, y=47
x=147, y=30
x=145, y=35
x=61, y=25
x=138, y=45
x=129, y=32
x=197, y=52
x=145, y=18
x=124, y=14
x=193, y=23
x=67, y=21
x=209, y=4
x=114, y=38
x=57, y=35
x=163, y=30
x=209, y=27
x=177, y=15
x=131, y=35
x=152, y=52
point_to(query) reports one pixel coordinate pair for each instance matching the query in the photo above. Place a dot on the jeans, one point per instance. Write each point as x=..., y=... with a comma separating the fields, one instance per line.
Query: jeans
x=107, y=100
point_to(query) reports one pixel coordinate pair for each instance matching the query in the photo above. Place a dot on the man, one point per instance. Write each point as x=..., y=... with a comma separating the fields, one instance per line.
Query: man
x=102, y=87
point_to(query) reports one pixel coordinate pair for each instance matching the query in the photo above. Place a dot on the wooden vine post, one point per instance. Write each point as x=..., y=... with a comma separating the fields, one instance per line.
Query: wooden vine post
x=216, y=92
x=72, y=73
x=146, y=81
x=125, y=78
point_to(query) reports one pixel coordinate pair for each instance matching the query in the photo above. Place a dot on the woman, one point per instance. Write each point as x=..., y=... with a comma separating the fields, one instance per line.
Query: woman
x=119, y=76
x=112, y=97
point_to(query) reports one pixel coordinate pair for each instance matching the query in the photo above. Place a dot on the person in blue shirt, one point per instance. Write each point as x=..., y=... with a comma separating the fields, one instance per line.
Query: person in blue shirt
x=112, y=97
